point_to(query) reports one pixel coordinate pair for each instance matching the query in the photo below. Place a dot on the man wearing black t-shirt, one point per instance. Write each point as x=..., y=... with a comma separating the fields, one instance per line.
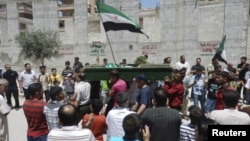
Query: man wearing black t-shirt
x=11, y=76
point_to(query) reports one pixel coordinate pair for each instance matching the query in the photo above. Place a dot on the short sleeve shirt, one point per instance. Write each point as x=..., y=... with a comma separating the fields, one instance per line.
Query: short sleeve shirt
x=27, y=78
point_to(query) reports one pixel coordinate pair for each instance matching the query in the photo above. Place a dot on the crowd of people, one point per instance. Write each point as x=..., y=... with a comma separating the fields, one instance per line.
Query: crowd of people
x=66, y=106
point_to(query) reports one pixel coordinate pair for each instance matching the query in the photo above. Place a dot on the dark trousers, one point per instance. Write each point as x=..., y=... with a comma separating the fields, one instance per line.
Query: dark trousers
x=26, y=94
x=110, y=105
x=14, y=91
x=46, y=93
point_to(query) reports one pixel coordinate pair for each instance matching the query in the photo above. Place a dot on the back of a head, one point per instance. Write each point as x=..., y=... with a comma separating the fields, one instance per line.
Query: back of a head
x=160, y=96
x=131, y=124
x=195, y=115
x=96, y=105
x=54, y=91
x=230, y=98
x=202, y=128
x=81, y=76
x=122, y=99
x=114, y=73
x=223, y=74
x=34, y=87
x=67, y=115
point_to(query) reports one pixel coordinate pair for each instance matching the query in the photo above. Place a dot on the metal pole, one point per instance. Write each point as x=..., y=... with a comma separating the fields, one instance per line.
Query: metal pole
x=108, y=41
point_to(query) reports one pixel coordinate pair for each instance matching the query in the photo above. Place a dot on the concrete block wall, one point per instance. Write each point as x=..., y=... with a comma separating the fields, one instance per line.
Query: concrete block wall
x=13, y=22
x=236, y=25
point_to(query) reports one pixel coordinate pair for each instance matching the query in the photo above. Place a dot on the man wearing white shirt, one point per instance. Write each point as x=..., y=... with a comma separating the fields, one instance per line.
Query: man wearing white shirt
x=230, y=115
x=116, y=115
x=4, y=110
x=26, y=78
x=67, y=116
x=183, y=64
x=82, y=96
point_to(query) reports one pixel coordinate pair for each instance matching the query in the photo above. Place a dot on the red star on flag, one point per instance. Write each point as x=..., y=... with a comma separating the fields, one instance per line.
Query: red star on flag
x=116, y=17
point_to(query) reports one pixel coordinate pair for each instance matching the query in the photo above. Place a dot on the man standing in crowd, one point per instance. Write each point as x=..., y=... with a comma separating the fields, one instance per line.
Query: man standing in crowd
x=43, y=78
x=167, y=61
x=4, y=111
x=164, y=122
x=116, y=115
x=33, y=111
x=51, y=108
x=198, y=85
x=175, y=90
x=118, y=85
x=11, y=76
x=144, y=94
x=230, y=114
x=242, y=69
x=68, y=118
x=55, y=79
x=77, y=65
x=213, y=67
x=26, y=78
x=222, y=79
x=197, y=65
x=82, y=97
x=68, y=70
x=183, y=64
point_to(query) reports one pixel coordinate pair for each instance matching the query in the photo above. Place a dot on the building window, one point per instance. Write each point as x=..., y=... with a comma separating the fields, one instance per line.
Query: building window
x=22, y=27
x=141, y=22
x=61, y=25
x=3, y=8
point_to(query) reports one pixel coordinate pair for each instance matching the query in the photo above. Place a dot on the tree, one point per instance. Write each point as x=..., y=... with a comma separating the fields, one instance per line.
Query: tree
x=39, y=45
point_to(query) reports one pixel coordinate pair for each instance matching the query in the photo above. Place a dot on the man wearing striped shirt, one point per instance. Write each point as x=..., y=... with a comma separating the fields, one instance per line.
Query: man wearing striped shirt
x=33, y=111
x=187, y=131
x=164, y=122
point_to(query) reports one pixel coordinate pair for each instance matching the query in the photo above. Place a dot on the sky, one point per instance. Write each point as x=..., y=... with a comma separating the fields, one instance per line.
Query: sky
x=149, y=3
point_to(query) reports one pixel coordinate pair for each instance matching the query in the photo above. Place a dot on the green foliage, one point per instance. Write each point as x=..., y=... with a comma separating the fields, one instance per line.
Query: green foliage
x=39, y=45
x=141, y=60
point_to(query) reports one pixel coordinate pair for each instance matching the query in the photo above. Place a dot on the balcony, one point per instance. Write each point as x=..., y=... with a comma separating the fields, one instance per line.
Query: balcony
x=65, y=5
x=25, y=10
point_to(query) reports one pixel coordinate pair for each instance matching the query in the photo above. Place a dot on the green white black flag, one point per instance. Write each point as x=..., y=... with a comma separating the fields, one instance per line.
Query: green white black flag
x=115, y=20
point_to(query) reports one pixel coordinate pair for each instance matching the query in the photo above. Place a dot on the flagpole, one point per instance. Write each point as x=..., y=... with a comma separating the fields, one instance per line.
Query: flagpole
x=108, y=41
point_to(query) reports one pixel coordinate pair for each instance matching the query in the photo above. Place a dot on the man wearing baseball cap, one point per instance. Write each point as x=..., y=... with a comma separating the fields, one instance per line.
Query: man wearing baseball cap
x=144, y=94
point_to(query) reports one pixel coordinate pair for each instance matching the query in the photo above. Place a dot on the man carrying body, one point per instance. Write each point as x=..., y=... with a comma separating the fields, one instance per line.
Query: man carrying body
x=82, y=97
x=118, y=85
x=12, y=77
x=144, y=94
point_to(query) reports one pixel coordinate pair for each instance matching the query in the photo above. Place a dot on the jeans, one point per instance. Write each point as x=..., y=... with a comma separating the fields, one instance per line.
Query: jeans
x=14, y=91
x=41, y=138
x=201, y=99
x=209, y=105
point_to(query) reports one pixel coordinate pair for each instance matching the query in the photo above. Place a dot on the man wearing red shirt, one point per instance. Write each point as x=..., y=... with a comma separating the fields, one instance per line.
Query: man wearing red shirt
x=33, y=111
x=222, y=79
x=175, y=90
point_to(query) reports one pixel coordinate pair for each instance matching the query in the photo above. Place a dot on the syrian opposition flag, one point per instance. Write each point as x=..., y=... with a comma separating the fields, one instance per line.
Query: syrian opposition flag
x=115, y=20
x=220, y=53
